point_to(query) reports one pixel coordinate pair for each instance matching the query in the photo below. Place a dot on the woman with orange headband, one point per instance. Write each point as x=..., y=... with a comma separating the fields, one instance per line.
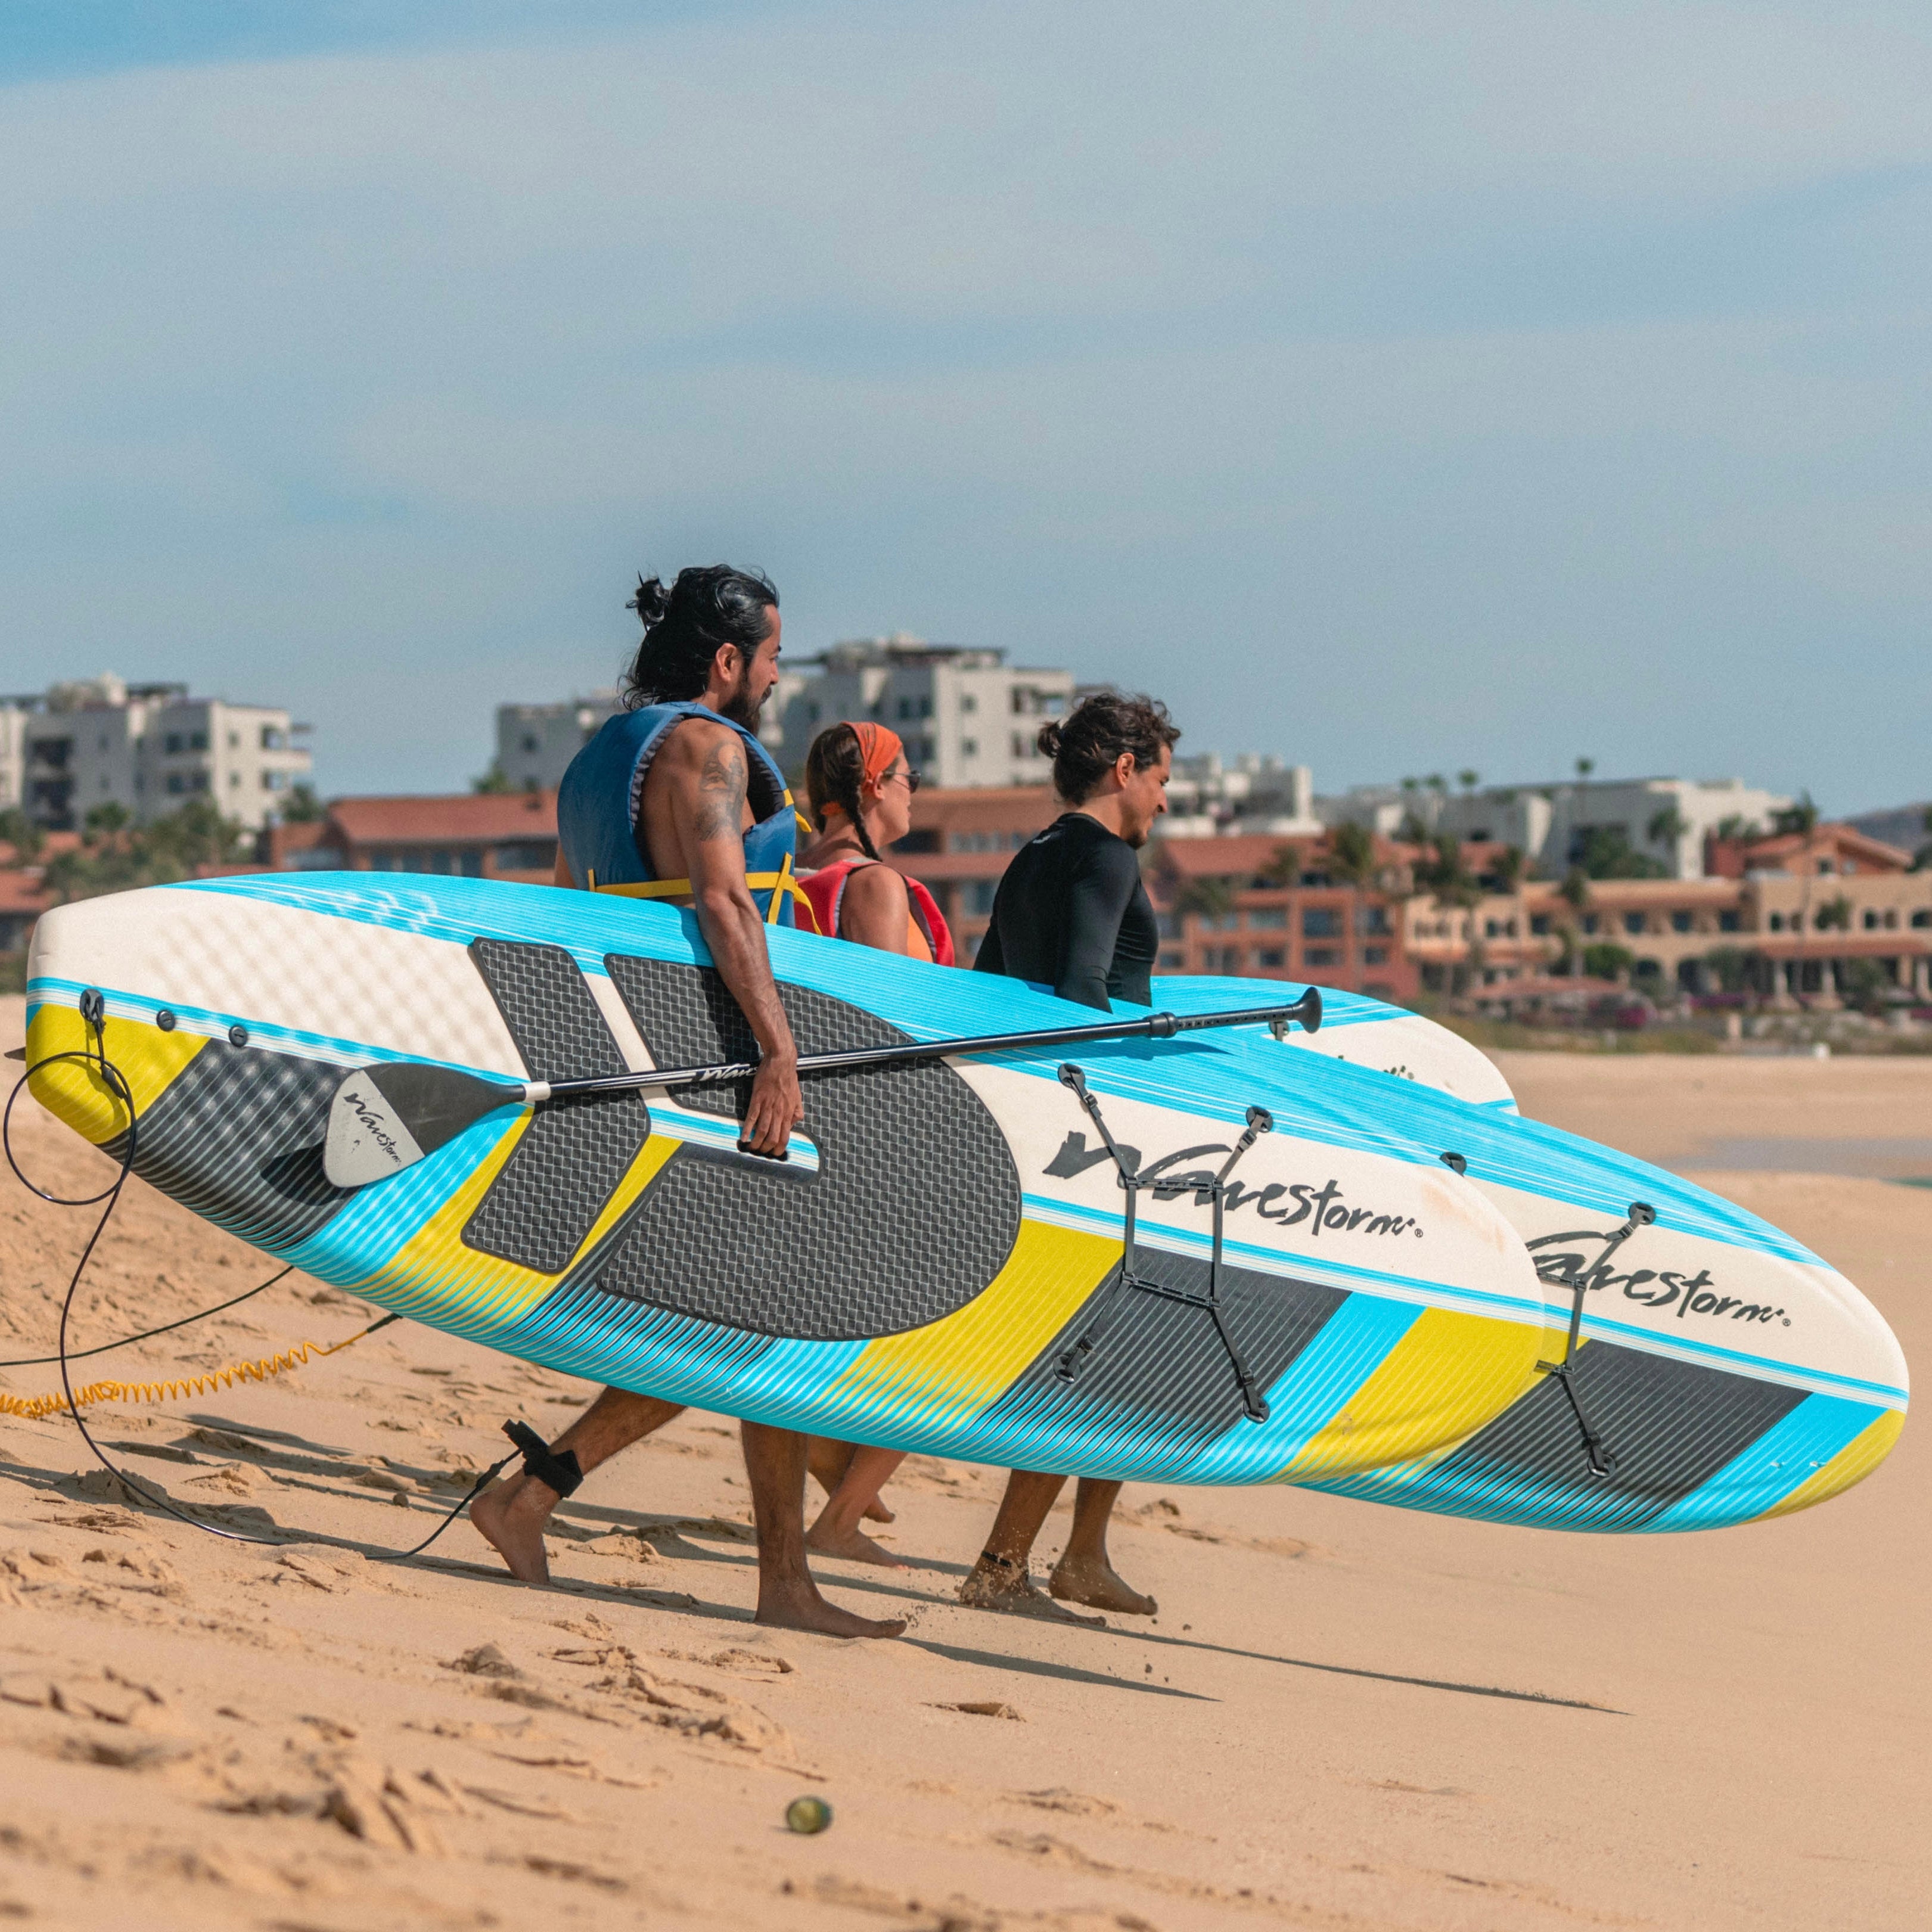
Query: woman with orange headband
x=859, y=787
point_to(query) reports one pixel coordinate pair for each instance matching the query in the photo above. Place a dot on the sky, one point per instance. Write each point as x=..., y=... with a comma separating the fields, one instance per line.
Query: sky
x=1393, y=389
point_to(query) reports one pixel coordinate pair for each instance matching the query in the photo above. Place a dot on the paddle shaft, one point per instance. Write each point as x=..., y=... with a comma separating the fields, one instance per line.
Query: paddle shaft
x=1157, y=1026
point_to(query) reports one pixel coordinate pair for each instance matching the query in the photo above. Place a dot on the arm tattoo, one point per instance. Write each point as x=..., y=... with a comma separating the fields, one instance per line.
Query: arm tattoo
x=720, y=795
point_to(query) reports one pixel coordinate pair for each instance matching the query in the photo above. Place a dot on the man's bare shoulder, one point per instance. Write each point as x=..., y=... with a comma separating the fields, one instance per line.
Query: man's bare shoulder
x=691, y=741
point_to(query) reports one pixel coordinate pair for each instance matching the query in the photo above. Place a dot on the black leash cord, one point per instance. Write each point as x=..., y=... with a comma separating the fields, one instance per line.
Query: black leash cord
x=113, y=1079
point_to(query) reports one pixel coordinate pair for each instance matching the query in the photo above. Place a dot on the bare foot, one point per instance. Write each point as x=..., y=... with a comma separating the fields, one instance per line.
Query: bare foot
x=798, y=1606
x=877, y=1512
x=853, y=1544
x=510, y=1515
x=1086, y=1580
x=993, y=1586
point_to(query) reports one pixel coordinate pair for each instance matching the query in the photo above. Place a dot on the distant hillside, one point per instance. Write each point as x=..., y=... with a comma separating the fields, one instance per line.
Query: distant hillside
x=1903, y=825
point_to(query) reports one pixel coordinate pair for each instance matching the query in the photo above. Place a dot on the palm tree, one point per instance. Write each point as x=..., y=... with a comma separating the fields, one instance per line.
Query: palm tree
x=1800, y=818
x=1667, y=826
x=1351, y=854
x=1585, y=766
x=1467, y=779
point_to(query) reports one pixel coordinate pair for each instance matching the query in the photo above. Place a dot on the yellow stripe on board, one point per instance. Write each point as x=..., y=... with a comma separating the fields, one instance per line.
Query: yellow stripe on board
x=434, y=1277
x=1853, y=1464
x=1447, y=1377
x=149, y=1059
x=959, y=1365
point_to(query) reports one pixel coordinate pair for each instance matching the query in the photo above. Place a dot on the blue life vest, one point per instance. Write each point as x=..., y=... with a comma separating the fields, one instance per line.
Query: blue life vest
x=600, y=800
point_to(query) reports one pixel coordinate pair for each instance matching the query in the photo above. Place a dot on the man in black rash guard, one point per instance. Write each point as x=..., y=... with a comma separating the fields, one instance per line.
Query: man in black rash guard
x=1071, y=913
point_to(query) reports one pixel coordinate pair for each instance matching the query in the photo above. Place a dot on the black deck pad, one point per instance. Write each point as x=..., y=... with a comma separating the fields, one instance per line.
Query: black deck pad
x=574, y=1151
x=913, y=1210
x=1157, y=1373
x=1670, y=1425
x=238, y=1137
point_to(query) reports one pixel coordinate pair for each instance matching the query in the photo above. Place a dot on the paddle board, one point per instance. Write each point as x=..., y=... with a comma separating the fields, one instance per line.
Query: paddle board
x=938, y=1267
x=1729, y=1373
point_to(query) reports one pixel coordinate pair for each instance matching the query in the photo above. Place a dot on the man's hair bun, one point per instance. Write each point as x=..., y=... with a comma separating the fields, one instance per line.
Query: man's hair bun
x=652, y=601
x=1048, y=740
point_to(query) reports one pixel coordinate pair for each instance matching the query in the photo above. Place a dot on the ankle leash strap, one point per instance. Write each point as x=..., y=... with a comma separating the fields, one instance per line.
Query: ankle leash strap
x=563, y=1473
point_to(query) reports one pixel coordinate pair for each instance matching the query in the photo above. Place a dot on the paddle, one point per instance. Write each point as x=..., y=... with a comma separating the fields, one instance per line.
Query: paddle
x=387, y=1117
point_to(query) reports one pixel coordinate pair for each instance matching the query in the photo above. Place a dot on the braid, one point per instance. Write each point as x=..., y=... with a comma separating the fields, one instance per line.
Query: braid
x=834, y=768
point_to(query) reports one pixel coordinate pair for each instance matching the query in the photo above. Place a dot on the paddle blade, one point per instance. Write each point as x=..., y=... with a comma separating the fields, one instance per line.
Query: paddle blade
x=386, y=1118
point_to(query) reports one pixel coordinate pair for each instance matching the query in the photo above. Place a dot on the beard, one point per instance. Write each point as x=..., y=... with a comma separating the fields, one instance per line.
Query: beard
x=741, y=708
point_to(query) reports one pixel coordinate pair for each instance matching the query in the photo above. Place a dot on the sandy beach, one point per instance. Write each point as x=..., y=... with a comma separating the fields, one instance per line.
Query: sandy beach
x=1344, y=1717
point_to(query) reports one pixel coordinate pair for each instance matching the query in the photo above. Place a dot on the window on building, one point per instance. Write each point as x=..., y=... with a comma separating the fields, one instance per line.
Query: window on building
x=526, y=855
x=979, y=895
x=968, y=701
x=1321, y=956
x=1633, y=922
x=234, y=780
x=1492, y=928
x=272, y=738
x=1680, y=921
x=1539, y=925
x=234, y=742
x=1372, y=919
x=1375, y=955
x=1730, y=921
x=1891, y=917
x=1268, y=918
x=1320, y=922
x=1589, y=922
x=1777, y=921
x=923, y=838
x=1923, y=917
x=174, y=743
x=530, y=744
x=905, y=707
x=197, y=741
x=1271, y=958
x=177, y=783
x=969, y=748
x=275, y=781
x=1172, y=962
x=925, y=707
x=1230, y=960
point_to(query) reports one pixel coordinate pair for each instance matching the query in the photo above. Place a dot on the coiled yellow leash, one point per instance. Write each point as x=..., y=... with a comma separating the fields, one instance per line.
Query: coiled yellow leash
x=35, y=1407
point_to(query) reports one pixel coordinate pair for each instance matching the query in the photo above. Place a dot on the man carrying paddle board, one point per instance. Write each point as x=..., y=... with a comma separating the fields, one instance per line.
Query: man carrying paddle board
x=1071, y=913
x=675, y=800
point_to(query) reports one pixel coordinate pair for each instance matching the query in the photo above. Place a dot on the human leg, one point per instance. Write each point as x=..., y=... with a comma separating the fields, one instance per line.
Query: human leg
x=512, y=1514
x=1084, y=1575
x=999, y=1580
x=828, y=1459
x=836, y=1532
x=788, y=1597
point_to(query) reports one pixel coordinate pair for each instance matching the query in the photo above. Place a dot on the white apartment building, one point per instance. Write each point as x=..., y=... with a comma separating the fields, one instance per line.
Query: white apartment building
x=968, y=717
x=1208, y=795
x=147, y=747
x=1665, y=819
x=535, y=743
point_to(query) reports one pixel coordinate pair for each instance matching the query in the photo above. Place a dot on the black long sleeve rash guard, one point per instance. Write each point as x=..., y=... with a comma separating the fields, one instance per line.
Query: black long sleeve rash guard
x=1071, y=913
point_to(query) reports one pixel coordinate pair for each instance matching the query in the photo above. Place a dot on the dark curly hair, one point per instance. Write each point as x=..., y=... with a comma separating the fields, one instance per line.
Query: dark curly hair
x=708, y=606
x=1084, y=746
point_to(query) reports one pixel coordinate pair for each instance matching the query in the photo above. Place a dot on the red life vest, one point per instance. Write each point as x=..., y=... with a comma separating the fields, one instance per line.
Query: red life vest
x=927, y=937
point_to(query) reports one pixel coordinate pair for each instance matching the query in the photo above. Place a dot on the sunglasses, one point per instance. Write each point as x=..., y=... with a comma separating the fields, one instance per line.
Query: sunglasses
x=910, y=777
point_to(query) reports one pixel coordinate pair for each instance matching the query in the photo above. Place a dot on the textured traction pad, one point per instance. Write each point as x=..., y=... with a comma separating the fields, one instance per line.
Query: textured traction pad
x=1672, y=1426
x=1156, y=1371
x=238, y=1137
x=914, y=1209
x=574, y=1152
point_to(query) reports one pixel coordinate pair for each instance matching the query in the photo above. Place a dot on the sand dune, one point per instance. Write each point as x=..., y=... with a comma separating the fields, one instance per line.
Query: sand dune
x=1345, y=1716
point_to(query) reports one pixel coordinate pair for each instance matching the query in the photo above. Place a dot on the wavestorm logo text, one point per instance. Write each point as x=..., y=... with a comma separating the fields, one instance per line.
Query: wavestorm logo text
x=1563, y=1260
x=1321, y=1207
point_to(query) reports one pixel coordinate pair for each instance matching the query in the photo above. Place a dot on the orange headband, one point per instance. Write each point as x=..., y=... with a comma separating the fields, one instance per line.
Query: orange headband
x=879, y=747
